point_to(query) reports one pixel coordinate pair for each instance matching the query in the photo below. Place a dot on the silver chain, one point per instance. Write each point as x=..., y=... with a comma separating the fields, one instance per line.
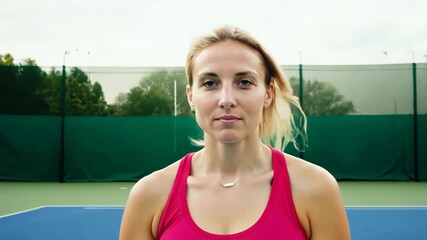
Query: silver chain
x=219, y=179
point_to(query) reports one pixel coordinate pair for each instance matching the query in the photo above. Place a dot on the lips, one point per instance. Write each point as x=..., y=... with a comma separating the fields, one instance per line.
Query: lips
x=228, y=119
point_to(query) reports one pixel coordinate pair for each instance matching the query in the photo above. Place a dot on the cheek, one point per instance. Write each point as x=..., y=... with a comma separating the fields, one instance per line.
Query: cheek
x=255, y=104
x=201, y=102
x=203, y=107
x=256, y=109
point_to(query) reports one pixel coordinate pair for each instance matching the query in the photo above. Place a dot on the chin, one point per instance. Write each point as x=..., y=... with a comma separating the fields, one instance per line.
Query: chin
x=229, y=139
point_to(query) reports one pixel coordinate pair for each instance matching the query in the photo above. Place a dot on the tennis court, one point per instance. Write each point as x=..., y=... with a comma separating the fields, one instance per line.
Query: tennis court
x=103, y=222
x=376, y=210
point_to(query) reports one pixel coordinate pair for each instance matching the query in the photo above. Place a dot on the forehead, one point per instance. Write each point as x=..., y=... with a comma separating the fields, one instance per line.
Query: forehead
x=227, y=57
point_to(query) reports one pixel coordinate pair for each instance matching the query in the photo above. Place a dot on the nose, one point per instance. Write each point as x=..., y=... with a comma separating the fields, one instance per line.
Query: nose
x=227, y=99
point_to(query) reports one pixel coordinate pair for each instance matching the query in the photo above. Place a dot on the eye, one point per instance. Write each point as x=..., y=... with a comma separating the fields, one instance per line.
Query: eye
x=209, y=84
x=245, y=83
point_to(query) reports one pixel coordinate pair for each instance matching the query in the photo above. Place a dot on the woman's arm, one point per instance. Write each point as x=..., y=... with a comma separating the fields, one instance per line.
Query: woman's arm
x=326, y=212
x=145, y=204
x=318, y=201
x=139, y=212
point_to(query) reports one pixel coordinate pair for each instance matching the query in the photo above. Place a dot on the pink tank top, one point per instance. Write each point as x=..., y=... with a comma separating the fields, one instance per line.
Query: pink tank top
x=278, y=221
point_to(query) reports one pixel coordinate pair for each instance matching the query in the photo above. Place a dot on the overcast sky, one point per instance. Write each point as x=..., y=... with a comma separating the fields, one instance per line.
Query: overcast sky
x=158, y=32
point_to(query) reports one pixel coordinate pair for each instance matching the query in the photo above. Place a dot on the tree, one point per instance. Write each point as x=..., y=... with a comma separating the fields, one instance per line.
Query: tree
x=81, y=98
x=322, y=98
x=155, y=96
x=51, y=91
x=20, y=85
x=27, y=89
x=6, y=60
x=8, y=74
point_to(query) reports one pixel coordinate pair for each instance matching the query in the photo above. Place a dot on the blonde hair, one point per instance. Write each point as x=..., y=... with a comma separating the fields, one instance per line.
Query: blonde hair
x=277, y=127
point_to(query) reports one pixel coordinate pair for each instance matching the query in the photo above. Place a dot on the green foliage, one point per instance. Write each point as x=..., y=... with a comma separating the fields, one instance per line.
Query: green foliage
x=83, y=98
x=51, y=91
x=322, y=98
x=20, y=86
x=27, y=89
x=155, y=96
x=6, y=60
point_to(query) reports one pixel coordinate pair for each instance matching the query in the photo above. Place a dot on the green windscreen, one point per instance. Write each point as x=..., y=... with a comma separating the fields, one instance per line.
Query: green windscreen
x=421, y=92
x=30, y=148
x=124, y=148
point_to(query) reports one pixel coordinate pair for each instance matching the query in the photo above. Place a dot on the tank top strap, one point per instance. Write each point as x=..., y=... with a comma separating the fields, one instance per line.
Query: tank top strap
x=173, y=203
x=185, y=170
x=281, y=174
x=279, y=167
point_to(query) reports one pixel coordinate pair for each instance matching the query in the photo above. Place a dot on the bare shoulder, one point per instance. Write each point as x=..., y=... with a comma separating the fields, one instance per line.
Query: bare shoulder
x=157, y=184
x=146, y=202
x=310, y=178
x=318, y=201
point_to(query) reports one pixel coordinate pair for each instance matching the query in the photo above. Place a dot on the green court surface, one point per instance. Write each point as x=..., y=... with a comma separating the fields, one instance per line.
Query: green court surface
x=20, y=196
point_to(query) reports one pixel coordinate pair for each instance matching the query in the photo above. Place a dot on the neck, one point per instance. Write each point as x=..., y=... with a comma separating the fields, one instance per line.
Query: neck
x=229, y=160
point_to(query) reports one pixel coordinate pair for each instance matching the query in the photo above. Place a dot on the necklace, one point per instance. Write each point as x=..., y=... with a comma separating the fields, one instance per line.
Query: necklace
x=226, y=184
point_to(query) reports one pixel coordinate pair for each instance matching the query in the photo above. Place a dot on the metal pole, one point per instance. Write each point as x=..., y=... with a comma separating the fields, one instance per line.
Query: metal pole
x=415, y=118
x=62, y=160
x=88, y=65
x=62, y=150
x=301, y=99
x=174, y=98
x=175, y=113
x=301, y=93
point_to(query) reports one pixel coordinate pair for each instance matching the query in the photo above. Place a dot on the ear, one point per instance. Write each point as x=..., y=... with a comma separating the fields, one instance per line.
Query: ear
x=189, y=96
x=269, y=95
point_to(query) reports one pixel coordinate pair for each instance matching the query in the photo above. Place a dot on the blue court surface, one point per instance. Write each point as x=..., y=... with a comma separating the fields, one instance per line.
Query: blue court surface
x=103, y=222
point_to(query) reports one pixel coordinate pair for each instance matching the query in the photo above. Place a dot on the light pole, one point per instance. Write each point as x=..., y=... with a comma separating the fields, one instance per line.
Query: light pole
x=63, y=86
x=88, y=65
x=65, y=54
x=63, y=83
x=301, y=98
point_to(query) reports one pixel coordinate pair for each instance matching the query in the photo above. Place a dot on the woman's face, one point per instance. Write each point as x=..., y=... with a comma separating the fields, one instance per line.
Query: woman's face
x=229, y=92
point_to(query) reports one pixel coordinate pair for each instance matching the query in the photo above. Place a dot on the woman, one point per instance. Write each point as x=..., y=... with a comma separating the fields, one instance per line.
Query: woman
x=237, y=187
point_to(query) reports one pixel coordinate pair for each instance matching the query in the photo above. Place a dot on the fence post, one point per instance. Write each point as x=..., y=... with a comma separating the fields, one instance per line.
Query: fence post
x=415, y=118
x=301, y=100
x=301, y=96
x=62, y=159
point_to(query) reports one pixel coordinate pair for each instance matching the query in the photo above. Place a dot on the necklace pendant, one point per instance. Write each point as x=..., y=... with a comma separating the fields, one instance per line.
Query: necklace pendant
x=226, y=185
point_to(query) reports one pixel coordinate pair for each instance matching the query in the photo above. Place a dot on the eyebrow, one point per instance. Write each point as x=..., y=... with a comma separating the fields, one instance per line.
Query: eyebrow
x=239, y=74
x=215, y=76
x=209, y=74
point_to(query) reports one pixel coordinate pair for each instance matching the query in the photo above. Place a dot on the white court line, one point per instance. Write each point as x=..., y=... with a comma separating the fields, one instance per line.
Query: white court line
x=103, y=208
x=20, y=212
x=115, y=207
x=89, y=207
x=387, y=206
